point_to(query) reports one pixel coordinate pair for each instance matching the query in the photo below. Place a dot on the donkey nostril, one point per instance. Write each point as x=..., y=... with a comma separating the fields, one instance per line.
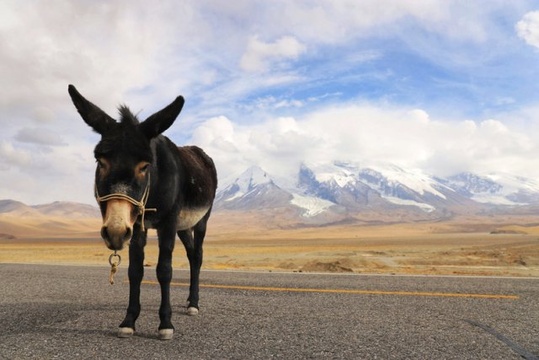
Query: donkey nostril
x=127, y=235
x=104, y=233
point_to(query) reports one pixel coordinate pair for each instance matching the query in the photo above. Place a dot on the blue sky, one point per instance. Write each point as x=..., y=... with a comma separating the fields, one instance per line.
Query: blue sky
x=438, y=85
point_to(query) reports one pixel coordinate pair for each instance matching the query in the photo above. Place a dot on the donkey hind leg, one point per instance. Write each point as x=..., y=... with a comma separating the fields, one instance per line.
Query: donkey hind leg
x=135, y=274
x=166, y=237
x=193, y=248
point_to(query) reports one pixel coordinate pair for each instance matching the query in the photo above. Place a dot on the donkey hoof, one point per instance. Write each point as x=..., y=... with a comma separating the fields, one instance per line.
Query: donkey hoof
x=166, y=334
x=192, y=311
x=125, y=332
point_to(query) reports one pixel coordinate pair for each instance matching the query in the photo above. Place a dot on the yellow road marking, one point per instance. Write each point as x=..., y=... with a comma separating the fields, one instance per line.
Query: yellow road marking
x=345, y=291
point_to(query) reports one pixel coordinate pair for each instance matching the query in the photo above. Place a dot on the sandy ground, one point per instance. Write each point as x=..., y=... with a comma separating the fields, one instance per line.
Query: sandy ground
x=502, y=247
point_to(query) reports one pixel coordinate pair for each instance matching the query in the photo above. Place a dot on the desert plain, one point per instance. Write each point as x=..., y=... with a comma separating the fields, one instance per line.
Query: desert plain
x=485, y=246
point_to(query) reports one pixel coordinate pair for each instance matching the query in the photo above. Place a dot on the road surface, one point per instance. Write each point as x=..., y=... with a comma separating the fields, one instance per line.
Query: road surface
x=61, y=312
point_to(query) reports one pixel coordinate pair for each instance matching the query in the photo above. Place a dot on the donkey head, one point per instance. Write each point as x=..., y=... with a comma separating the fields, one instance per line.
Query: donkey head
x=124, y=163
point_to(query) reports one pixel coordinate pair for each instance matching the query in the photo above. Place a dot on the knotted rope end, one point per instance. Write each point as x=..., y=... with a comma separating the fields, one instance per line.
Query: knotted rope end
x=114, y=265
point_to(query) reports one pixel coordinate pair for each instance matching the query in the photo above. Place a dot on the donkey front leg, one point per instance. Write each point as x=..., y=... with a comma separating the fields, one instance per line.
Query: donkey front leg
x=135, y=273
x=166, y=238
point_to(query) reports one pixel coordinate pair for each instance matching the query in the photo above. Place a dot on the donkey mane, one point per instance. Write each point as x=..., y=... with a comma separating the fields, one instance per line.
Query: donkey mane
x=123, y=137
x=126, y=116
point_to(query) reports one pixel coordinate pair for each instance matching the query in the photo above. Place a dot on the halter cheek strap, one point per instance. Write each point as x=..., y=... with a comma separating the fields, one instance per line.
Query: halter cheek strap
x=141, y=205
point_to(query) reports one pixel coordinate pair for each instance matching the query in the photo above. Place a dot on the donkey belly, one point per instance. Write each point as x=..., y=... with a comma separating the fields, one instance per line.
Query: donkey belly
x=190, y=217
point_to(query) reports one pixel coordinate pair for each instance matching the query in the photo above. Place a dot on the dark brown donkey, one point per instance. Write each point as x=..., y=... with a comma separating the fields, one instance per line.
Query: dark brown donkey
x=144, y=181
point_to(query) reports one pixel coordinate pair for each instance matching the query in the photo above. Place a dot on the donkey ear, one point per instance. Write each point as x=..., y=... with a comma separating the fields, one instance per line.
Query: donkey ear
x=163, y=119
x=96, y=118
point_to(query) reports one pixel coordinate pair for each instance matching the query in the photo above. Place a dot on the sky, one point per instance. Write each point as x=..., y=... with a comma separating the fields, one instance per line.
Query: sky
x=443, y=86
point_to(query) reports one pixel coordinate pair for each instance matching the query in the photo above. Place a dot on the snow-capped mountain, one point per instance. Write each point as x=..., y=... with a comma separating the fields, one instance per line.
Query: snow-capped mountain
x=380, y=188
x=253, y=189
x=341, y=190
x=496, y=189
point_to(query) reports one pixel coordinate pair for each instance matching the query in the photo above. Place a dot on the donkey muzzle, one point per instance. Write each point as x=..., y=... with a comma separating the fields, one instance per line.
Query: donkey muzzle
x=117, y=224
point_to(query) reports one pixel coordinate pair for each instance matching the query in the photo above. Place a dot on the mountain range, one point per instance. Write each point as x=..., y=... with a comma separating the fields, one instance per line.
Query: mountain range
x=342, y=191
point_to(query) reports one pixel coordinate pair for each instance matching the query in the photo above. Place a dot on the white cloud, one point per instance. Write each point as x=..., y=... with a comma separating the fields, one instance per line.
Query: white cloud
x=39, y=136
x=369, y=134
x=338, y=21
x=259, y=55
x=35, y=176
x=10, y=156
x=528, y=28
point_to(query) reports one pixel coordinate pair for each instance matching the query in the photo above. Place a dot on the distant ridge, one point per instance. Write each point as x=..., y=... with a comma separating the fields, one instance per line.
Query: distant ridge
x=64, y=209
x=57, y=220
x=68, y=209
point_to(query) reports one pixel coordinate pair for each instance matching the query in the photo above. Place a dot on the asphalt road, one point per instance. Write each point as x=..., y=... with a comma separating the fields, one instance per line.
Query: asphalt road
x=61, y=312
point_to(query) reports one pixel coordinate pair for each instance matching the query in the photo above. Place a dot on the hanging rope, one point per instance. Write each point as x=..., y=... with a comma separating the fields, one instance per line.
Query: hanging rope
x=114, y=265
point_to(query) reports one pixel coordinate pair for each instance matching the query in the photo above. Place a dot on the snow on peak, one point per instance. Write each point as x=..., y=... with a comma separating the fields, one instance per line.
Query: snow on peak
x=503, y=188
x=252, y=177
x=312, y=206
x=511, y=183
x=413, y=179
x=339, y=172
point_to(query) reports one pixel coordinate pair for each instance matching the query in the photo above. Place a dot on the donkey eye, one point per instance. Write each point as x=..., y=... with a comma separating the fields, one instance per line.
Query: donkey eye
x=102, y=165
x=144, y=168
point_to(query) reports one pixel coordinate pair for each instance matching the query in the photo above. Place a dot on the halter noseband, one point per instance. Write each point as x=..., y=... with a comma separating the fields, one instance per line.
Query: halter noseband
x=141, y=205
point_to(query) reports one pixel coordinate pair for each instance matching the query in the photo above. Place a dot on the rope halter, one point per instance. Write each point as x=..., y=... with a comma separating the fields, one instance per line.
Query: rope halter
x=140, y=205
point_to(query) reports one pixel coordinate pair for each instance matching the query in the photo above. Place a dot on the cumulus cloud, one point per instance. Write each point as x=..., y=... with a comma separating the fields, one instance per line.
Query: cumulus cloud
x=528, y=28
x=368, y=135
x=259, y=55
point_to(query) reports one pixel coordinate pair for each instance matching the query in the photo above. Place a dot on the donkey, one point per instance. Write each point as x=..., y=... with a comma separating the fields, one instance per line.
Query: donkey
x=138, y=171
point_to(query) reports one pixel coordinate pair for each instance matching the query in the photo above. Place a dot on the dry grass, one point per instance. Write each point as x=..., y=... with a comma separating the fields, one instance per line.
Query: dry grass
x=478, y=246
